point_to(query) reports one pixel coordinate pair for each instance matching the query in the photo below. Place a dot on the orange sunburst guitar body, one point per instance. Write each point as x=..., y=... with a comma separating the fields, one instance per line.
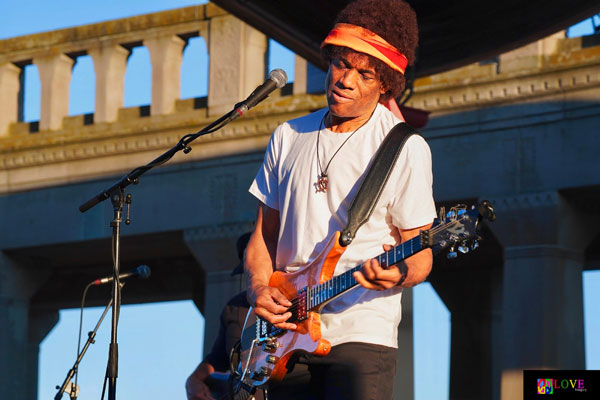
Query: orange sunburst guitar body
x=266, y=350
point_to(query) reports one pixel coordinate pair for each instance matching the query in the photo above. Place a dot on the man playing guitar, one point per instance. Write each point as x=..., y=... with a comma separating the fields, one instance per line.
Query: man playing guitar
x=312, y=169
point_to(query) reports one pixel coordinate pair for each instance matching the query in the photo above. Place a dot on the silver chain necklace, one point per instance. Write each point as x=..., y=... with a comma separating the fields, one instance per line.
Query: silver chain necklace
x=323, y=180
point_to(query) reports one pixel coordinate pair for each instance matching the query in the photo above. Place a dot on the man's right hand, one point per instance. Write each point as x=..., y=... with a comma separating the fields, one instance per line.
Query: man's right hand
x=196, y=389
x=271, y=305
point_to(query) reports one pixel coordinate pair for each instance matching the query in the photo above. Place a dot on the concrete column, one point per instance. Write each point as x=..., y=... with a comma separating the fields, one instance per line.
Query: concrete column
x=9, y=93
x=543, y=313
x=236, y=63
x=544, y=238
x=40, y=324
x=110, y=63
x=471, y=288
x=404, y=381
x=166, y=53
x=218, y=257
x=19, y=335
x=220, y=287
x=531, y=56
x=55, y=77
x=14, y=345
x=300, y=75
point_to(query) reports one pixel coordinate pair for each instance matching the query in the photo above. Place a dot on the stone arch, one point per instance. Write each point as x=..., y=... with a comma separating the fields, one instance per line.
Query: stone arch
x=31, y=89
x=431, y=346
x=82, y=88
x=591, y=321
x=194, y=69
x=279, y=56
x=138, y=78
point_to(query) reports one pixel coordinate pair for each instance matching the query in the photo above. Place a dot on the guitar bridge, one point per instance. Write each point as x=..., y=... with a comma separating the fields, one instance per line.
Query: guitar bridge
x=300, y=313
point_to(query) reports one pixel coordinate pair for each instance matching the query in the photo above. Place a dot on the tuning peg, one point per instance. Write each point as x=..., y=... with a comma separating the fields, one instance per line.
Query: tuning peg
x=463, y=248
x=451, y=253
x=475, y=245
x=486, y=209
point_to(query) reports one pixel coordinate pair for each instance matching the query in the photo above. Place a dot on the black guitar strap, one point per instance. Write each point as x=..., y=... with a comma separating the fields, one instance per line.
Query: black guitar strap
x=372, y=186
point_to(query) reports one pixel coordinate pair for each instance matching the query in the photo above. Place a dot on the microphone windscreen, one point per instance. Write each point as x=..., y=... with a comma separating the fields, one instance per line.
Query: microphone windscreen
x=143, y=271
x=279, y=77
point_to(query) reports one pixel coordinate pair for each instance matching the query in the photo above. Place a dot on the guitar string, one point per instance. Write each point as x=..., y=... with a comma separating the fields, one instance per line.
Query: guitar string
x=320, y=287
x=436, y=229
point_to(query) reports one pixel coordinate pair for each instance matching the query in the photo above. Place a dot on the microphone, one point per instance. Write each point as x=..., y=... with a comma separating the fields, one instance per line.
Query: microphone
x=277, y=79
x=143, y=272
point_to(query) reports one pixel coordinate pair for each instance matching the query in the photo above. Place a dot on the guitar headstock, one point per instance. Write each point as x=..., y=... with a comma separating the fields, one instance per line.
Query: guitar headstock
x=457, y=229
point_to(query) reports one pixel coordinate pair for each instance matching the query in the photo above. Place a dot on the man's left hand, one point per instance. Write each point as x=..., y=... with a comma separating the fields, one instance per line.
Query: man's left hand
x=373, y=276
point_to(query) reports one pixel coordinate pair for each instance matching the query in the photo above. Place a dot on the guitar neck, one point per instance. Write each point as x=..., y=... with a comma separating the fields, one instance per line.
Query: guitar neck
x=326, y=291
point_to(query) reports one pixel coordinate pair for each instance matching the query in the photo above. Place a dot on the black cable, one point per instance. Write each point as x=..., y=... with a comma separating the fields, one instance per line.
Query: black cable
x=119, y=285
x=80, y=328
x=104, y=384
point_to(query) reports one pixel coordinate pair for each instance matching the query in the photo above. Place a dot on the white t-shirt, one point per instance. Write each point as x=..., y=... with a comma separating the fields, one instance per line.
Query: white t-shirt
x=308, y=219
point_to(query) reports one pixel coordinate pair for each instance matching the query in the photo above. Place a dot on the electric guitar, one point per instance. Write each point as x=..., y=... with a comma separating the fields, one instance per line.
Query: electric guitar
x=266, y=350
x=224, y=386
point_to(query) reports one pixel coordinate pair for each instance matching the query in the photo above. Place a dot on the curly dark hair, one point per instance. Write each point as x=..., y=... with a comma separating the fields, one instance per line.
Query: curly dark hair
x=393, y=20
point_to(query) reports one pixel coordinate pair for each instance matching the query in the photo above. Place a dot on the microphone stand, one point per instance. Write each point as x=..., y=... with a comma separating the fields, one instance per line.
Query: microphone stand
x=117, y=199
x=183, y=144
x=117, y=194
x=90, y=340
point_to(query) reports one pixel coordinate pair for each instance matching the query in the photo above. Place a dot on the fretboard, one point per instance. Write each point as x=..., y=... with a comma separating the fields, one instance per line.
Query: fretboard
x=337, y=285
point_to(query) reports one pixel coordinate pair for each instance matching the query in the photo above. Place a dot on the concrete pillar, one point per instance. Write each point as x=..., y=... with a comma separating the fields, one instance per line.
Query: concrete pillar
x=236, y=62
x=166, y=53
x=19, y=334
x=404, y=381
x=531, y=56
x=41, y=323
x=542, y=314
x=110, y=63
x=220, y=288
x=471, y=288
x=9, y=93
x=14, y=345
x=217, y=257
x=300, y=74
x=55, y=77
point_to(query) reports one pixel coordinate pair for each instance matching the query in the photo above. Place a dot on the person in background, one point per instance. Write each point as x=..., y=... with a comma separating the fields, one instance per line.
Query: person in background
x=216, y=365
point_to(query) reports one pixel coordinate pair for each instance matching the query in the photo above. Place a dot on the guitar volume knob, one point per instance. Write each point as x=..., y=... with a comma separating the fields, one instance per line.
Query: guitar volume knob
x=270, y=345
x=271, y=359
x=260, y=375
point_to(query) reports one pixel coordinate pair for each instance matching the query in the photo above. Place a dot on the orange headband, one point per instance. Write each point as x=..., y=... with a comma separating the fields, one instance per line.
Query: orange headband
x=365, y=41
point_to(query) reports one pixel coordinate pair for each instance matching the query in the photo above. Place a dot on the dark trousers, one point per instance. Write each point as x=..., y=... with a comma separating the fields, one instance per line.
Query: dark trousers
x=351, y=371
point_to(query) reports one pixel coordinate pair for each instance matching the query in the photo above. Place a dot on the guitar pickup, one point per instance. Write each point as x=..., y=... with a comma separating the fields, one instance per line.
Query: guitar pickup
x=301, y=312
x=259, y=375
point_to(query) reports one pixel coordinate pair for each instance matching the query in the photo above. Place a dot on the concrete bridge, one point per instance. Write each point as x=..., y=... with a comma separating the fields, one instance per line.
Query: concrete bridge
x=520, y=130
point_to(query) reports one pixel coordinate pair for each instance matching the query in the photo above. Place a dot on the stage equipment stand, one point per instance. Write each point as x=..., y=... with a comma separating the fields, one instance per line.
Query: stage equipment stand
x=277, y=79
x=90, y=340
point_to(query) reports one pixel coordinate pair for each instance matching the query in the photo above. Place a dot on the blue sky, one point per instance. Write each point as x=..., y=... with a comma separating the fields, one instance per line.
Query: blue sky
x=161, y=343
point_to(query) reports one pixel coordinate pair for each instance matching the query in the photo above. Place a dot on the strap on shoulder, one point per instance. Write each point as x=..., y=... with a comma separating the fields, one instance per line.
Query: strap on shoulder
x=372, y=186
